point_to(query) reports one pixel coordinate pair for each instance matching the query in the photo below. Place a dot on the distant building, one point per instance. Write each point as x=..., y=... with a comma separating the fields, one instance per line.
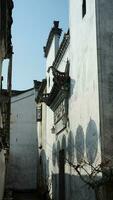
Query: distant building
x=23, y=158
x=6, y=7
x=75, y=104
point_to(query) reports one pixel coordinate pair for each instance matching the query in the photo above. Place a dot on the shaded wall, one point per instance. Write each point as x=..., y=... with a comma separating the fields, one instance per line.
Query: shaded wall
x=23, y=143
x=105, y=69
x=2, y=173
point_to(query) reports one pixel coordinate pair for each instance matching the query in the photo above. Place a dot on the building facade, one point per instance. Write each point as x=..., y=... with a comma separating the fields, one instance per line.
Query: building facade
x=6, y=7
x=65, y=130
x=76, y=105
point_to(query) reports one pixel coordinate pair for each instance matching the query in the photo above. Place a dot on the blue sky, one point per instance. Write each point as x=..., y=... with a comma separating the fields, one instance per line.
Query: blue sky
x=32, y=23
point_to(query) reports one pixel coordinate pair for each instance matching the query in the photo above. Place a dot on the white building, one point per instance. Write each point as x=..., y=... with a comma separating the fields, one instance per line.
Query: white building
x=22, y=170
x=78, y=96
x=65, y=130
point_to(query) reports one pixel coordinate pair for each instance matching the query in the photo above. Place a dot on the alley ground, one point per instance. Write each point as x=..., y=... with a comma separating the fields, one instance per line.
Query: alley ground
x=26, y=196
x=23, y=196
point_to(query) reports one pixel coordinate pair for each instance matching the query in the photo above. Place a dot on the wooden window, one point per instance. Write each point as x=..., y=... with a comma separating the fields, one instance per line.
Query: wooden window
x=39, y=113
x=83, y=8
x=49, y=81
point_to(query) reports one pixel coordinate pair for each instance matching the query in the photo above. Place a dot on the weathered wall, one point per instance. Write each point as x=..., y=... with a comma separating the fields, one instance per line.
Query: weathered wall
x=52, y=140
x=2, y=173
x=23, y=142
x=49, y=113
x=105, y=66
x=41, y=134
x=84, y=97
x=81, y=139
x=90, y=100
x=105, y=63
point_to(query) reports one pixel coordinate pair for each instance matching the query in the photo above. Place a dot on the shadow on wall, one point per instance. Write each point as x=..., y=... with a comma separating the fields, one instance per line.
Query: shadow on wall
x=54, y=159
x=79, y=190
x=72, y=82
x=91, y=141
x=70, y=148
x=43, y=185
x=79, y=144
x=73, y=183
x=57, y=152
x=44, y=173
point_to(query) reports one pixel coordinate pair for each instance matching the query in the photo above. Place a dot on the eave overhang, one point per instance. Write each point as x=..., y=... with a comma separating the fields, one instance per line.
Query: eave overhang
x=60, y=86
x=41, y=89
x=62, y=49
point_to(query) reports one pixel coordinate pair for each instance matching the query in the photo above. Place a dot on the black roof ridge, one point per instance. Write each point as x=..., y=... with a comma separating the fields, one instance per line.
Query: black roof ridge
x=54, y=31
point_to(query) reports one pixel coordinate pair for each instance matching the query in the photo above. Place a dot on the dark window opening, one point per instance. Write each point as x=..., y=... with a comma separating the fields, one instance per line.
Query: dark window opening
x=62, y=174
x=83, y=8
x=39, y=114
x=49, y=81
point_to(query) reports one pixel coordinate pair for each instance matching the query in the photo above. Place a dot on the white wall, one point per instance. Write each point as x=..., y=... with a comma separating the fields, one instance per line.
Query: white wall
x=50, y=137
x=82, y=136
x=49, y=116
x=84, y=101
x=84, y=97
x=23, y=142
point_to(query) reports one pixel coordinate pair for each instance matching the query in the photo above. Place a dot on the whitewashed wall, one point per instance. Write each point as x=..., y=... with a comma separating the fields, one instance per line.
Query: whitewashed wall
x=81, y=139
x=49, y=113
x=23, y=142
x=50, y=138
x=84, y=97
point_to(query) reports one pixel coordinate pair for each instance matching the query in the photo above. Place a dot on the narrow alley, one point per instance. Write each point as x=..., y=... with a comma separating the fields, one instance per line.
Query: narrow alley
x=56, y=100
